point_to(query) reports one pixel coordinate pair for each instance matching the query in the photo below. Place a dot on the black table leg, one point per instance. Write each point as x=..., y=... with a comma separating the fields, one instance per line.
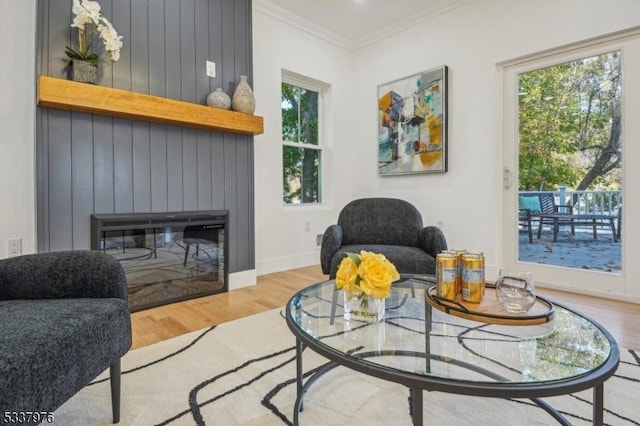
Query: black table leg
x=334, y=303
x=416, y=395
x=540, y=220
x=428, y=313
x=613, y=230
x=298, y=406
x=598, y=405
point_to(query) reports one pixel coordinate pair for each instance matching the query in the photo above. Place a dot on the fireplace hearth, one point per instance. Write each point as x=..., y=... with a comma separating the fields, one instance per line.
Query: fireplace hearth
x=167, y=257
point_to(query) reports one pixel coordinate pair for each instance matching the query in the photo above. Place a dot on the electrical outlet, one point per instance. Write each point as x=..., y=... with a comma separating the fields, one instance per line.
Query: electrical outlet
x=14, y=247
x=211, y=69
x=319, y=239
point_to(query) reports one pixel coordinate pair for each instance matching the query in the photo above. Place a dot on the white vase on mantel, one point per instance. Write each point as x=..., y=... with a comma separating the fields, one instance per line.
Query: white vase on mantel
x=219, y=99
x=243, y=100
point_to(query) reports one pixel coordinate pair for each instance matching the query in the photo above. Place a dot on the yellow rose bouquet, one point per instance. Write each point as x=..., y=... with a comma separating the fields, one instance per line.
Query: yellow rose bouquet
x=363, y=276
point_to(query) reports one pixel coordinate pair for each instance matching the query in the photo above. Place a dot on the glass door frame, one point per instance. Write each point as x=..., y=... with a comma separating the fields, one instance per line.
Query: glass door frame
x=622, y=285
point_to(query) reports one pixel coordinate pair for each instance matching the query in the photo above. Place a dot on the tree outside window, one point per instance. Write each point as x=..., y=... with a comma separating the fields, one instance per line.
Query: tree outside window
x=302, y=149
x=570, y=125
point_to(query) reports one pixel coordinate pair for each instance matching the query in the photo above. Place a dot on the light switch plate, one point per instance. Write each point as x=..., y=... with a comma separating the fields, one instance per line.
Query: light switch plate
x=211, y=69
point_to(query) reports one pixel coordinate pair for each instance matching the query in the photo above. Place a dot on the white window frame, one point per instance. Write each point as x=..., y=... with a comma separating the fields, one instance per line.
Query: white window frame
x=322, y=89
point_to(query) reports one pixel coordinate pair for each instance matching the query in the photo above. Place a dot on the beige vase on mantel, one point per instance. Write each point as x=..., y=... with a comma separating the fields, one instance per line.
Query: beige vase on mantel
x=243, y=100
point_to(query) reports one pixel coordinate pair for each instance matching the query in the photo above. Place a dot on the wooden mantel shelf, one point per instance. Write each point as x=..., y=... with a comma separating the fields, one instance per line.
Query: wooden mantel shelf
x=73, y=96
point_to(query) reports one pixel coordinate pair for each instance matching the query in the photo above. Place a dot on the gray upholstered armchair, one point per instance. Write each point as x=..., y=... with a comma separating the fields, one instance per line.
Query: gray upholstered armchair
x=64, y=319
x=383, y=225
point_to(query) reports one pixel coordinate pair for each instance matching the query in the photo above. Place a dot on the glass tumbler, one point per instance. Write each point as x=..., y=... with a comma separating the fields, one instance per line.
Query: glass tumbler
x=515, y=290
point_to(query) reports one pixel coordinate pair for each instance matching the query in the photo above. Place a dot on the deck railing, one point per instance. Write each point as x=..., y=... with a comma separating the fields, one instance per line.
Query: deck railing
x=604, y=202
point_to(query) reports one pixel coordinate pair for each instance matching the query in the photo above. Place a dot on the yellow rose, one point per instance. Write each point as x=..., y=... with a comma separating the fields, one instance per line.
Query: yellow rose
x=347, y=274
x=376, y=274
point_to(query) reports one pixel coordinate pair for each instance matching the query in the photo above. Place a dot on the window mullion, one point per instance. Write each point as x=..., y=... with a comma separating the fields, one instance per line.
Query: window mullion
x=302, y=145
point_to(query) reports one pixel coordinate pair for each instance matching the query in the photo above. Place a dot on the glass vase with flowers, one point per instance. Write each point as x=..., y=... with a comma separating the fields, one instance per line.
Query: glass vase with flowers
x=366, y=280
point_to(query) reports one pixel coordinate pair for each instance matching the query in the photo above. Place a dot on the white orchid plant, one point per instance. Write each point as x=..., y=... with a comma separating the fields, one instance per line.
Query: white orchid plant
x=89, y=18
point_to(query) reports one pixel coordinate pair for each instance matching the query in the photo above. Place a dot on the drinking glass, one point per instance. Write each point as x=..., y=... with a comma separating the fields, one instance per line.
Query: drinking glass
x=515, y=290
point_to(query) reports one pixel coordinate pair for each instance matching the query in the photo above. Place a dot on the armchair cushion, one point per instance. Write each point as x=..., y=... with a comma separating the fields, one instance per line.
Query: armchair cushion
x=408, y=260
x=531, y=203
x=52, y=348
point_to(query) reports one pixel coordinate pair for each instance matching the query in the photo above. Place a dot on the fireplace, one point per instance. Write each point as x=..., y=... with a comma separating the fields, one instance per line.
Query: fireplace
x=167, y=257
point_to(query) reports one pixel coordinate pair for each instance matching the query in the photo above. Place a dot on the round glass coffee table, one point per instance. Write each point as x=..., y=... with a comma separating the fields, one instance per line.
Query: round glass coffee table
x=427, y=349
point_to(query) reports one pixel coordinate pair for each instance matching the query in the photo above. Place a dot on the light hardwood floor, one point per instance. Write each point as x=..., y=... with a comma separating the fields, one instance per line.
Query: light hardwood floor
x=274, y=290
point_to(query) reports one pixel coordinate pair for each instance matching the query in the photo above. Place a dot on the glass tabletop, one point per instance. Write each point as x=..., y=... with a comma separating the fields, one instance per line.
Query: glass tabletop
x=413, y=338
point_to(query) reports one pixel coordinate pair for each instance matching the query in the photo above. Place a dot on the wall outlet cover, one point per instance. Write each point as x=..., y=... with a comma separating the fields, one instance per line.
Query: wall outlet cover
x=14, y=247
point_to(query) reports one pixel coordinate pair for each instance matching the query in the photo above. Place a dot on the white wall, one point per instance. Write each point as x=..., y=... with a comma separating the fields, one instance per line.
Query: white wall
x=281, y=239
x=17, y=121
x=471, y=40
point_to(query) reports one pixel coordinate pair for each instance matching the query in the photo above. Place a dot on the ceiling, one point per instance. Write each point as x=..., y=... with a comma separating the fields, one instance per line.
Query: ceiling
x=355, y=23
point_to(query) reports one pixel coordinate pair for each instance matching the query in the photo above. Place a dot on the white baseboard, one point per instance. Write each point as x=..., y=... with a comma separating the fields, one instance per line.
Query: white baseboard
x=284, y=263
x=242, y=279
x=630, y=298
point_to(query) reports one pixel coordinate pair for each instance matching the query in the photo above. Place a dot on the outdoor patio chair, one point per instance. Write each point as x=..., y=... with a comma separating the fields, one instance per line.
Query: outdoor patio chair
x=533, y=205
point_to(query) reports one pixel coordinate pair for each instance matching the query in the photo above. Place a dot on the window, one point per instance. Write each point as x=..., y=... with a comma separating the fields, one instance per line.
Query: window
x=302, y=148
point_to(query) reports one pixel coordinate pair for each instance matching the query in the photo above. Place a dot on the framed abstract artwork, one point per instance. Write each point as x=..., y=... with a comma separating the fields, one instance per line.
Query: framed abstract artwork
x=412, y=124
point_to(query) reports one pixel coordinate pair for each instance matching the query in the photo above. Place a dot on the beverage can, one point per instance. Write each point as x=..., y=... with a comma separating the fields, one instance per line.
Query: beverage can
x=458, y=254
x=446, y=272
x=473, y=282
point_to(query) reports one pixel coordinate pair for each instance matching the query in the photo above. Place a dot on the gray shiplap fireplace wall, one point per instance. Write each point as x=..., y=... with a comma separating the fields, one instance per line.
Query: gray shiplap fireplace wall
x=96, y=164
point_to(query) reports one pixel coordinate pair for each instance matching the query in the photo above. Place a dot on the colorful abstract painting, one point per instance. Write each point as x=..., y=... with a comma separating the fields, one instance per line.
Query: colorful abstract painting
x=412, y=124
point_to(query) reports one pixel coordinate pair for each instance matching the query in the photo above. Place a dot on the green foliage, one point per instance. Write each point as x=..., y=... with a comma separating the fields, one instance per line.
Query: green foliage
x=569, y=117
x=77, y=54
x=301, y=165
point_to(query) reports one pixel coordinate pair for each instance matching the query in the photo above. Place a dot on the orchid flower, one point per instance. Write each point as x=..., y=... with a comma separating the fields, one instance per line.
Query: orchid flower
x=88, y=18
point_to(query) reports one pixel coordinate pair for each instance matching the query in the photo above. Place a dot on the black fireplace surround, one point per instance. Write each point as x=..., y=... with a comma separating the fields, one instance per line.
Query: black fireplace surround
x=167, y=257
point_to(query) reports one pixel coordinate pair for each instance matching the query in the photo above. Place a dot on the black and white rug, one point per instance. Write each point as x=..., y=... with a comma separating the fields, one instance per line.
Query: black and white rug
x=243, y=373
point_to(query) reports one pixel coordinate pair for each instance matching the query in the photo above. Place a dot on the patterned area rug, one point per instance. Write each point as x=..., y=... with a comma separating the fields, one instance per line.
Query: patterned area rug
x=243, y=373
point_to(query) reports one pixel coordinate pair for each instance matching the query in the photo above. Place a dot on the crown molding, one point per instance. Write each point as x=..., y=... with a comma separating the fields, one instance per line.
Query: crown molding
x=407, y=23
x=269, y=8
x=303, y=24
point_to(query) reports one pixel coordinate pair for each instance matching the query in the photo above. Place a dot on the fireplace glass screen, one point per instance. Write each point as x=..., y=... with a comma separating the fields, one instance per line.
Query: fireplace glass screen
x=166, y=262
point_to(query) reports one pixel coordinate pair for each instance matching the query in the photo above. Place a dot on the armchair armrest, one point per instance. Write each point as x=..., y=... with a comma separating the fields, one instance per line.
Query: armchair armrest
x=331, y=242
x=524, y=214
x=65, y=274
x=432, y=240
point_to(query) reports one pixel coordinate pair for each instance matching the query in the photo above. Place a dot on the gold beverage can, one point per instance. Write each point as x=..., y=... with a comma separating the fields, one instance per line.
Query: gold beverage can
x=446, y=270
x=481, y=255
x=472, y=277
x=458, y=254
